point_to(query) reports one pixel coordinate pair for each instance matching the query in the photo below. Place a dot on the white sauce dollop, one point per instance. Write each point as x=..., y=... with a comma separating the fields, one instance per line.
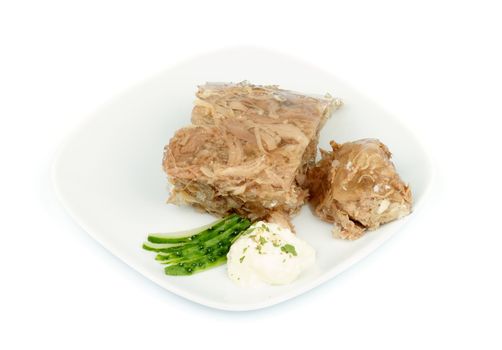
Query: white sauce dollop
x=268, y=253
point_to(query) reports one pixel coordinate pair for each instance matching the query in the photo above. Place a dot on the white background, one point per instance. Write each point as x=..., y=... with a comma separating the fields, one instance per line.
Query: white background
x=435, y=64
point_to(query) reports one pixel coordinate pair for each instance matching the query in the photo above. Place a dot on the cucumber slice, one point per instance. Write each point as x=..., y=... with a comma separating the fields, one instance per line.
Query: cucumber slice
x=187, y=236
x=157, y=247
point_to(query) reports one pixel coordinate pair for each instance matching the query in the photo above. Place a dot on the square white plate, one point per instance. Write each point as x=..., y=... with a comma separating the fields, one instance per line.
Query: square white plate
x=108, y=174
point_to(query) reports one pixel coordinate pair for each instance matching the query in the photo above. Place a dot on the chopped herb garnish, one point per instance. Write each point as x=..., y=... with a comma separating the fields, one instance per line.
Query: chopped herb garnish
x=244, y=250
x=248, y=231
x=262, y=240
x=258, y=248
x=242, y=258
x=288, y=248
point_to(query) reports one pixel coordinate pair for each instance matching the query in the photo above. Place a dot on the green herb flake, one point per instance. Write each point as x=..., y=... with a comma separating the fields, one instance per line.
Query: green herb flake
x=288, y=248
x=259, y=249
x=242, y=258
x=263, y=240
x=244, y=250
x=248, y=231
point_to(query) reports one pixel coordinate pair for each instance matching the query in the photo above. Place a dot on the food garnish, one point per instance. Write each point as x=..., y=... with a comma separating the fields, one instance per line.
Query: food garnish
x=199, y=249
x=270, y=255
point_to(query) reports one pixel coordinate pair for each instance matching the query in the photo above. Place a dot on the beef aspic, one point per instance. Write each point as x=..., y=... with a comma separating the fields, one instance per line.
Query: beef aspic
x=248, y=150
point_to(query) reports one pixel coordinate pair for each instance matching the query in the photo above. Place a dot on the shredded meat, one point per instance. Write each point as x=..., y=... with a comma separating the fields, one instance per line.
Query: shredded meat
x=280, y=219
x=357, y=188
x=248, y=150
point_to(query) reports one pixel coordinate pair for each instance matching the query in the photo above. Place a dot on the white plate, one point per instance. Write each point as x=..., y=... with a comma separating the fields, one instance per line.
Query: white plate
x=108, y=175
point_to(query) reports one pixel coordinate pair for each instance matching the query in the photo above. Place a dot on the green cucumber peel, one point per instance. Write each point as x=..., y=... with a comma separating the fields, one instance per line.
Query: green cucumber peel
x=197, y=265
x=199, y=249
x=195, y=234
x=157, y=247
x=204, y=242
x=202, y=248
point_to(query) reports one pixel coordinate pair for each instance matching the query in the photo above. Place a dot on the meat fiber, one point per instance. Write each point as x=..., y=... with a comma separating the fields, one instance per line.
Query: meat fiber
x=357, y=188
x=248, y=150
